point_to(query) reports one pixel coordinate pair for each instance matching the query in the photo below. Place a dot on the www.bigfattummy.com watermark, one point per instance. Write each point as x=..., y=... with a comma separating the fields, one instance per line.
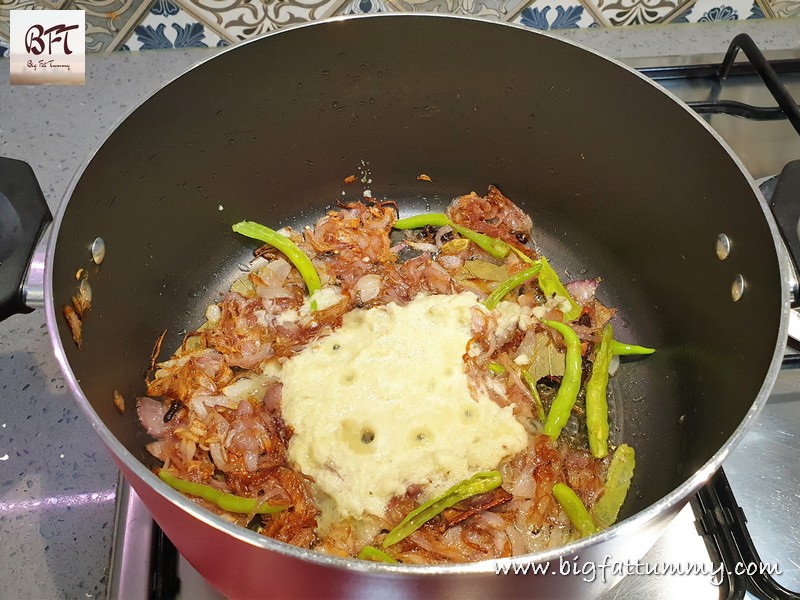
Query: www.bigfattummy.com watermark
x=47, y=47
x=601, y=571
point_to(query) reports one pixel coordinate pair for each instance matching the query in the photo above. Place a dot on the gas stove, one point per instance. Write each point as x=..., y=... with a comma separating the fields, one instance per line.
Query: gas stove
x=749, y=516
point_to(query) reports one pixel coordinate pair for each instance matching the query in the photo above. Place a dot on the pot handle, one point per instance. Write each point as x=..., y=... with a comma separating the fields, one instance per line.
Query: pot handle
x=24, y=216
x=785, y=205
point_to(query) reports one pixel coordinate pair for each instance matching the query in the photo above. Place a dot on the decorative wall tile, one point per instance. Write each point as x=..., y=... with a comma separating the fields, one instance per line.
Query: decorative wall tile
x=167, y=26
x=147, y=24
x=555, y=14
x=708, y=11
x=9, y=5
x=634, y=12
x=237, y=20
x=755, y=12
x=362, y=7
x=758, y=10
x=108, y=22
x=299, y=11
x=499, y=9
x=54, y=4
x=785, y=8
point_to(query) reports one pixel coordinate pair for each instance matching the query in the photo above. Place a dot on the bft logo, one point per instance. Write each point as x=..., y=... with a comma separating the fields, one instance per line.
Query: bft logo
x=38, y=39
x=48, y=46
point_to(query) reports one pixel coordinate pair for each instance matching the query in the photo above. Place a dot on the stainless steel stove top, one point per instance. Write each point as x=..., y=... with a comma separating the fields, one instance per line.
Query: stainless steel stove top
x=764, y=470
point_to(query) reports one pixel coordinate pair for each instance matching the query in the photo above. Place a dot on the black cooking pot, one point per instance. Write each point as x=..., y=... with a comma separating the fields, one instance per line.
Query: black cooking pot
x=621, y=179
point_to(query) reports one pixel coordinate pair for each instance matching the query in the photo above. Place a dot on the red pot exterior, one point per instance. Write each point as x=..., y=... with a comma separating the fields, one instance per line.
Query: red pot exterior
x=242, y=571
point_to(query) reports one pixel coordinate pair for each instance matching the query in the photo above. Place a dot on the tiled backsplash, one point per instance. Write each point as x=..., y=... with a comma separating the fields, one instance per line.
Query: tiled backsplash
x=156, y=24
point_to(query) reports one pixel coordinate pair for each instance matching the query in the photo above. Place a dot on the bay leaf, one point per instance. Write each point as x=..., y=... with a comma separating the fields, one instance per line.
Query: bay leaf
x=481, y=269
x=546, y=359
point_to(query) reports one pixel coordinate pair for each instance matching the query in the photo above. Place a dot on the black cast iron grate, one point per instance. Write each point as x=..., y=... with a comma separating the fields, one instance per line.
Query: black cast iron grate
x=757, y=65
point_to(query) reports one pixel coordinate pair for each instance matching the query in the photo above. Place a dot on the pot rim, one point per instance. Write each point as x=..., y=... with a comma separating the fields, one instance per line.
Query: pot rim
x=674, y=499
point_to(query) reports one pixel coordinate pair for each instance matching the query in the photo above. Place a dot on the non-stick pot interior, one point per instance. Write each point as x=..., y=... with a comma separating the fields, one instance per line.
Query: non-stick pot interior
x=620, y=180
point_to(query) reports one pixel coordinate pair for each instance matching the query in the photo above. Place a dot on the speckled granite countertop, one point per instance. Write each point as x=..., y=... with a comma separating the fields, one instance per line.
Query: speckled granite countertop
x=57, y=486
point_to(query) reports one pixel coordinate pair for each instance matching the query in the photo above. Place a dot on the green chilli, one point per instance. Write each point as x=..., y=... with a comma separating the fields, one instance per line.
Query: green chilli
x=575, y=509
x=596, y=400
x=495, y=247
x=537, y=399
x=496, y=369
x=570, y=382
x=423, y=220
x=509, y=284
x=618, y=481
x=621, y=349
x=374, y=554
x=480, y=483
x=550, y=284
x=225, y=501
x=297, y=257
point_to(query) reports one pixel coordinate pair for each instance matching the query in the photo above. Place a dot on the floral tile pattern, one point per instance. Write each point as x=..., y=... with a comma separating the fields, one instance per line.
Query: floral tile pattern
x=162, y=24
x=242, y=19
x=707, y=11
x=166, y=26
x=637, y=12
x=9, y=5
x=785, y=8
x=498, y=9
x=555, y=14
x=363, y=7
x=108, y=22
